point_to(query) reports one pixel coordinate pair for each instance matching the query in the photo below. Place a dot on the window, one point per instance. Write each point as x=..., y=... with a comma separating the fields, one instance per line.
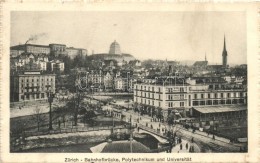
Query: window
x=209, y=95
x=241, y=94
x=209, y=102
x=181, y=96
x=228, y=101
x=221, y=95
x=159, y=103
x=202, y=102
x=202, y=95
x=153, y=89
x=159, y=89
x=195, y=103
x=159, y=97
x=181, y=89
x=216, y=95
x=181, y=103
x=195, y=96
x=228, y=94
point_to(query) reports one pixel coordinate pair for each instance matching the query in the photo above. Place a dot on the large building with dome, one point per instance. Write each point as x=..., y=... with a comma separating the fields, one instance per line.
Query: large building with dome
x=113, y=54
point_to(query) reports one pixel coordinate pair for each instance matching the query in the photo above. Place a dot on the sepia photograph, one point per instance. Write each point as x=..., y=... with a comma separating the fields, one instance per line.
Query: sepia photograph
x=129, y=83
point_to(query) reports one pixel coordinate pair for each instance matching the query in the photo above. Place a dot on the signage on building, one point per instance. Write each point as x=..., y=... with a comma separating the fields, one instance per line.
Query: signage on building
x=32, y=73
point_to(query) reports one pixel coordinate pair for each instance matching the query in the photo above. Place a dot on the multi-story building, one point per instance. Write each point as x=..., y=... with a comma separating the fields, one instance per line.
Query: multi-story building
x=73, y=52
x=54, y=50
x=123, y=84
x=31, y=48
x=55, y=66
x=182, y=94
x=95, y=80
x=58, y=49
x=108, y=81
x=31, y=85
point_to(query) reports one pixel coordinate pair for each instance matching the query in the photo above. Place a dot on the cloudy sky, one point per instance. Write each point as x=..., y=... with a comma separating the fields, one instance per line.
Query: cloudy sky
x=145, y=35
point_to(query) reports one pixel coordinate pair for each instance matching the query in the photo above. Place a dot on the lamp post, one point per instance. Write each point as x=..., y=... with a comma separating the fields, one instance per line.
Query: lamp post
x=131, y=136
x=50, y=100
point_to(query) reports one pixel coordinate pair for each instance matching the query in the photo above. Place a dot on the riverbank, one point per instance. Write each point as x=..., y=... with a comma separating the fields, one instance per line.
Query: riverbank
x=58, y=140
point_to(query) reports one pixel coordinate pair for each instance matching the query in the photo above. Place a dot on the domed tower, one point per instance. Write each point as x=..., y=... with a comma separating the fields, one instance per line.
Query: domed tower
x=115, y=48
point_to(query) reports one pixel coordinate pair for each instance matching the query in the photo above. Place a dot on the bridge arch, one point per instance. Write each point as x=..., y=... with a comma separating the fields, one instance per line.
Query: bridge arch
x=160, y=139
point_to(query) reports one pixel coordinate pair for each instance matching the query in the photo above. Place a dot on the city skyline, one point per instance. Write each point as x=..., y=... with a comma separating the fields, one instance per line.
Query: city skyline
x=189, y=37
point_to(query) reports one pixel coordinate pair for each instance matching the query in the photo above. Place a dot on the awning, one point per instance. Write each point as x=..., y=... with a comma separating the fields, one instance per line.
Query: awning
x=220, y=108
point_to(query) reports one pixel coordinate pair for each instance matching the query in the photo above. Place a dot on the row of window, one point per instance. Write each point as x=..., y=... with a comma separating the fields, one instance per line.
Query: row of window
x=149, y=102
x=27, y=97
x=148, y=95
x=176, y=97
x=217, y=102
x=27, y=80
x=148, y=88
x=170, y=104
x=34, y=89
x=37, y=85
x=219, y=95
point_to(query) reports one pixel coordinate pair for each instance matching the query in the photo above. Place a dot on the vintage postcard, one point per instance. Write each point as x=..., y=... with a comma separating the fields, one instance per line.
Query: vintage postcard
x=136, y=82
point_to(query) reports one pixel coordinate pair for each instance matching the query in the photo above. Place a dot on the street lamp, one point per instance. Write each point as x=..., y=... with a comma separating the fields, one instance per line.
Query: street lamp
x=131, y=136
x=50, y=100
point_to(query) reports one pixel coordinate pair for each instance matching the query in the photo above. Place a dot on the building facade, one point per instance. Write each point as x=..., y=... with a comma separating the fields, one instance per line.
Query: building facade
x=31, y=85
x=55, y=66
x=32, y=48
x=186, y=95
x=54, y=50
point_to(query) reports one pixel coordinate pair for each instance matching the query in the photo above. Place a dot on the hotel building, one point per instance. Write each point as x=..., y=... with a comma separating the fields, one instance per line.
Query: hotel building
x=31, y=85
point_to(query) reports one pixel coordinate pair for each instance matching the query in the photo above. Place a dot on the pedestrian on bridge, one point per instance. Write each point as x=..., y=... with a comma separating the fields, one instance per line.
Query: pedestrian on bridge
x=181, y=147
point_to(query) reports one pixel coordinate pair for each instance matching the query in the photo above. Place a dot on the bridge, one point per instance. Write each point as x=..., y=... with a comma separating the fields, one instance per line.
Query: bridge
x=157, y=135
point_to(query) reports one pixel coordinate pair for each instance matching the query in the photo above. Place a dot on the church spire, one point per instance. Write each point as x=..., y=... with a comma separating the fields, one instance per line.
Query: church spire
x=224, y=53
x=224, y=49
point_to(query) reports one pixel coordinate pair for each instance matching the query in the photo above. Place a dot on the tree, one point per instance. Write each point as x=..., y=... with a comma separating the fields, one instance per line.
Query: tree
x=170, y=118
